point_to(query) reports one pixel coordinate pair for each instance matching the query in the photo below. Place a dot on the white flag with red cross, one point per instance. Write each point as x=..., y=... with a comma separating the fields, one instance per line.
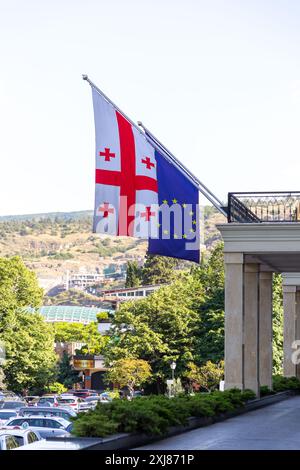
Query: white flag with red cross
x=126, y=194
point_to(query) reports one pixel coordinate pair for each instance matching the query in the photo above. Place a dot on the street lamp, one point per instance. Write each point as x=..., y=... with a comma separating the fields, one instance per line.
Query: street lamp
x=173, y=367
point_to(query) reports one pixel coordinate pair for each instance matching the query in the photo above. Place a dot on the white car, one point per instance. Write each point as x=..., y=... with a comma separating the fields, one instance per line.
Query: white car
x=45, y=426
x=7, y=441
x=22, y=436
x=6, y=415
x=70, y=401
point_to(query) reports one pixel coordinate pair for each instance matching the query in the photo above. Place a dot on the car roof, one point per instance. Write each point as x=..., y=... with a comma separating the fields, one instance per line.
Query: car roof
x=13, y=430
x=45, y=409
x=8, y=410
x=56, y=418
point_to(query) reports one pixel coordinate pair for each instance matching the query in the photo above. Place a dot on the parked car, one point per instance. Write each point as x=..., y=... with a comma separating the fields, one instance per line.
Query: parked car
x=23, y=436
x=66, y=413
x=7, y=441
x=84, y=393
x=31, y=400
x=70, y=401
x=47, y=400
x=46, y=426
x=6, y=415
x=11, y=405
x=4, y=394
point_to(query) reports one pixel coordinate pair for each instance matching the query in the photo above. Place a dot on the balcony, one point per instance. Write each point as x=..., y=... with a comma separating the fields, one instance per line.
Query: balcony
x=264, y=207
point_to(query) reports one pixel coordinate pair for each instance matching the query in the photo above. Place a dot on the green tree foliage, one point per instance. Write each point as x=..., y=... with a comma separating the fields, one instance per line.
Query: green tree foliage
x=158, y=270
x=210, y=274
x=67, y=376
x=56, y=387
x=129, y=372
x=133, y=274
x=78, y=333
x=30, y=359
x=207, y=376
x=277, y=324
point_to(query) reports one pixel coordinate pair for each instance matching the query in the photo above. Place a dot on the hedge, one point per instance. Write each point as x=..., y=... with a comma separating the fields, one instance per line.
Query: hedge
x=155, y=414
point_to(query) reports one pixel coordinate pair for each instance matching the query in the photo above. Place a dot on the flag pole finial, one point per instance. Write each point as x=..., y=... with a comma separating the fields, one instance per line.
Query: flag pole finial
x=84, y=77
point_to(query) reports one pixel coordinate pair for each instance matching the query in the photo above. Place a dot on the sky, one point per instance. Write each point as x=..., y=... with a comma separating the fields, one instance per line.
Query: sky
x=217, y=81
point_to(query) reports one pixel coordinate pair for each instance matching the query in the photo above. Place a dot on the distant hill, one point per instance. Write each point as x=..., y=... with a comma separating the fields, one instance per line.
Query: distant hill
x=48, y=215
x=53, y=243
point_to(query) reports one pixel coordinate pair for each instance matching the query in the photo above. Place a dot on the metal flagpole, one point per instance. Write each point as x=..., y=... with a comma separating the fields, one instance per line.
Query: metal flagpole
x=167, y=154
x=202, y=188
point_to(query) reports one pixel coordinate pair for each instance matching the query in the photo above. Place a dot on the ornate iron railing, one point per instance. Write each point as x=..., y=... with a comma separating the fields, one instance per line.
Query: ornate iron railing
x=264, y=207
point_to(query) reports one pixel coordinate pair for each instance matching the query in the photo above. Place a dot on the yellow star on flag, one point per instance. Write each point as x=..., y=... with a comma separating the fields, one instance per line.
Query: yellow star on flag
x=174, y=200
x=191, y=213
x=165, y=201
x=184, y=236
x=166, y=232
x=184, y=205
x=194, y=222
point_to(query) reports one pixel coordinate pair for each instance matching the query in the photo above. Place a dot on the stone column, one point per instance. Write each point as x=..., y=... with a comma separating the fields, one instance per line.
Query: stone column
x=251, y=327
x=297, y=336
x=265, y=329
x=289, y=330
x=234, y=318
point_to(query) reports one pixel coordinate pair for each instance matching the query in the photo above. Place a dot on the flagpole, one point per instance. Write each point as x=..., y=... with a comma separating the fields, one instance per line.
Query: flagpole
x=202, y=188
x=168, y=155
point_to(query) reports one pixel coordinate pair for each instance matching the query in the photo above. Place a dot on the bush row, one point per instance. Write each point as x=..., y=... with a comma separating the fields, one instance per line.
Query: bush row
x=281, y=384
x=154, y=415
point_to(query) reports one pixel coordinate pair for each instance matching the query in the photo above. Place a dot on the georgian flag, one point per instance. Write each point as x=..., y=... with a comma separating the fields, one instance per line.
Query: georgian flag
x=126, y=194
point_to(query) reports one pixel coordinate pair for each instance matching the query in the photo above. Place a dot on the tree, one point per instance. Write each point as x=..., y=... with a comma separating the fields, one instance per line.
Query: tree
x=129, y=372
x=158, y=270
x=30, y=358
x=133, y=274
x=67, y=376
x=158, y=329
x=207, y=376
x=2, y=379
x=76, y=332
x=56, y=387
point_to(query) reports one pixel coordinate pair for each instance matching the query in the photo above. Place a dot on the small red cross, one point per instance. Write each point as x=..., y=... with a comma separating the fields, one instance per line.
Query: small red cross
x=147, y=214
x=148, y=163
x=107, y=154
x=106, y=210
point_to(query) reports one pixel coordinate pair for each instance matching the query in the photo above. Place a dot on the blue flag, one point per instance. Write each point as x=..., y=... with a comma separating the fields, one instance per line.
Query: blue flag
x=179, y=229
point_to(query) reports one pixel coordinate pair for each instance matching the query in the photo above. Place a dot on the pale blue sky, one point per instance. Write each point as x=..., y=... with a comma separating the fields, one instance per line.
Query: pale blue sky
x=217, y=81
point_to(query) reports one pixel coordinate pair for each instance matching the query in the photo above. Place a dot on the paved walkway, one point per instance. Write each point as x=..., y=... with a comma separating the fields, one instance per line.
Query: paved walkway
x=273, y=427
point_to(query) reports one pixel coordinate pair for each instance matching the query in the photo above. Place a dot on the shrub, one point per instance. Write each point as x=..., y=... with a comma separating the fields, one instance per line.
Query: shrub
x=281, y=384
x=155, y=414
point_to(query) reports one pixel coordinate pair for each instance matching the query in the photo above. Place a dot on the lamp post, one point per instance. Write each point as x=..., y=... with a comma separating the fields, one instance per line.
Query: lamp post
x=173, y=367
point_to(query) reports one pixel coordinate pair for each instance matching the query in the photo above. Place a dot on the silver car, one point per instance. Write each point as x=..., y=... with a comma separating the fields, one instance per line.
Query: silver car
x=45, y=426
x=59, y=412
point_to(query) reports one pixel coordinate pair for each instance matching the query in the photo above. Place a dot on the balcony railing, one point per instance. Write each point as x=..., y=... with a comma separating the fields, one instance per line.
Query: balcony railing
x=264, y=207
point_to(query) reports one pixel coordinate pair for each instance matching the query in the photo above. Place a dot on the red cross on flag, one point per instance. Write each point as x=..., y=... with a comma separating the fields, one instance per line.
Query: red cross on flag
x=126, y=199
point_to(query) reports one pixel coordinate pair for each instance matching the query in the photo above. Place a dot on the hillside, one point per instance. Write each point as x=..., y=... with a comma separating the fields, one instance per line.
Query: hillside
x=53, y=243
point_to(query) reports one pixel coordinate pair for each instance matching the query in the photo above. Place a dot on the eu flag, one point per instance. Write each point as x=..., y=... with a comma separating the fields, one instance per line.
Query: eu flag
x=178, y=229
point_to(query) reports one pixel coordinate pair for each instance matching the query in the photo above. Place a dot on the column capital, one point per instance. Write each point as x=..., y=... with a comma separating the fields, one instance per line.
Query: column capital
x=268, y=275
x=289, y=289
x=251, y=267
x=233, y=258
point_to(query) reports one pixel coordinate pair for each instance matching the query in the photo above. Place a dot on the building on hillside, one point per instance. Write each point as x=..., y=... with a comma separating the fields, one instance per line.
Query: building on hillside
x=71, y=314
x=130, y=293
x=81, y=280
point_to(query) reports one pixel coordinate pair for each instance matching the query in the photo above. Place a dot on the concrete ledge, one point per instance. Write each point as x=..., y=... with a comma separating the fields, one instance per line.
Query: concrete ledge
x=125, y=441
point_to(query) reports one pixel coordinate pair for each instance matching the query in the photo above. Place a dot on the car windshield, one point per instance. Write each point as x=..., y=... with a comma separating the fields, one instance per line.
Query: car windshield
x=67, y=400
x=11, y=405
x=46, y=399
x=7, y=414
